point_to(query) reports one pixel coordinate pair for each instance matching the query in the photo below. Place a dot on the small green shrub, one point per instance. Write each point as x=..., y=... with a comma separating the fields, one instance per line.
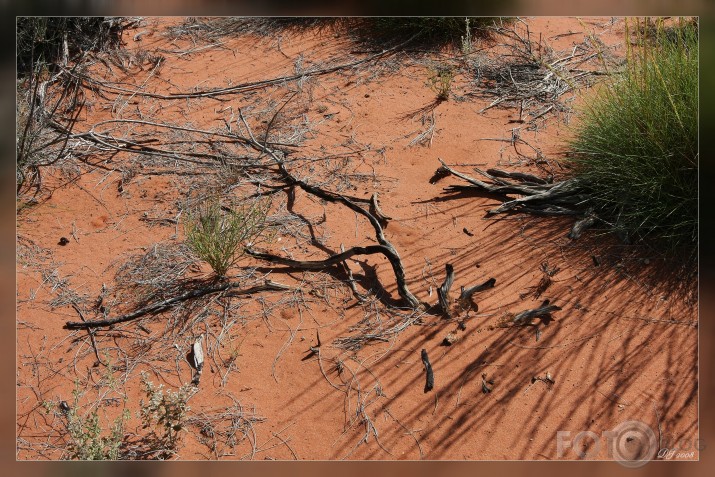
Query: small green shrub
x=636, y=151
x=218, y=236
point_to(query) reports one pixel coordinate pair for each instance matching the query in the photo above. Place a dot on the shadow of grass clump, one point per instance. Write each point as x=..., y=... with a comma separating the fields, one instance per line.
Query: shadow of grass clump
x=427, y=32
x=42, y=40
x=376, y=32
x=635, y=153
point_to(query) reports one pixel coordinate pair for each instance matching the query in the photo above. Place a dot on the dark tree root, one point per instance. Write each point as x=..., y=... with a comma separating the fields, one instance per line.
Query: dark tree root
x=537, y=196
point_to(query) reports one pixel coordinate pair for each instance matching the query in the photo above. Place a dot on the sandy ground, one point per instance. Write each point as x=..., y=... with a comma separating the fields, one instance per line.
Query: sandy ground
x=622, y=348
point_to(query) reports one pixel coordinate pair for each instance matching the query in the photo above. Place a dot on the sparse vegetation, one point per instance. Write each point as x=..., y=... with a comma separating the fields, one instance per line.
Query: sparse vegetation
x=636, y=151
x=48, y=50
x=164, y=414
x=437, y=31
x=88, y=440
x=441, y=82
x=217, y=236
x=466, y=39
x=426, y=31
x=299, y=129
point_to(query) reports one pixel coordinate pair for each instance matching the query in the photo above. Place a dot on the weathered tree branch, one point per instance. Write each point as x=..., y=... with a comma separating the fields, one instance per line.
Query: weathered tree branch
x=462, y=303
x=163, y=305
x=385, y=247
x=468, y=292
x=537, y=196
x=245, y=86
x=443, y=291
x=544, y=312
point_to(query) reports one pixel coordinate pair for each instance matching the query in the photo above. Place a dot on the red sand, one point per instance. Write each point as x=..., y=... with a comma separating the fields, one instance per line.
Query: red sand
x=619, y=350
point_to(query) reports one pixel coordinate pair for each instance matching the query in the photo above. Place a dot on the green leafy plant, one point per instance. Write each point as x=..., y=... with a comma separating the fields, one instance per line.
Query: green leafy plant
x=441, y=82
x=217, y=235
x=635, y=151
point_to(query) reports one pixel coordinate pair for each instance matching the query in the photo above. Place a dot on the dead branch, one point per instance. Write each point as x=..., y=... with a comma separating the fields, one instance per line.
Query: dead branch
x=245, y=86
x=90, y=332
x=377, y=212
x=429, y=374
x=462, y=303
x=544, y=311
x=468, y=292
x=385, y=247
x=164, y=304
x=443, y=291
x=520, y=176
x=581, y=225
x=538, y=196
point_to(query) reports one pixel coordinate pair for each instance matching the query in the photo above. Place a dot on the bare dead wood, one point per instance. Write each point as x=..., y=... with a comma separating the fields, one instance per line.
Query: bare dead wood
x=463, y=301
x=500, y=187
x=468, y=292
x=351, y=280
x=163, y=305
x=544, y=312
x=214, y=93
x=537, y=196
x=377, y=212
x=384, y=247
x=559, y=189
x=520, y=176
x=429, y=374
x=443, y=291
x=581, y=225
x=319, y=264
x=90, y=332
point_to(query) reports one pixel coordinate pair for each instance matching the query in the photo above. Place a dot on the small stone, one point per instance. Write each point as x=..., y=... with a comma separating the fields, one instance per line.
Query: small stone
x=63, y=241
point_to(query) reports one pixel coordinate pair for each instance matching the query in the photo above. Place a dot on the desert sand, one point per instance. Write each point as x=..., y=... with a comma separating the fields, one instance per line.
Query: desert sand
x=622, y=347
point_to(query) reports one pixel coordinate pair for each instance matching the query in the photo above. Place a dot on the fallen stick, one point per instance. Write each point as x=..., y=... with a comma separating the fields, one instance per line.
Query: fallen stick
x=544, y=311
x=163, y=305
x=90, y=333
x=445, y=303
x=429, y=374
x=468, y=292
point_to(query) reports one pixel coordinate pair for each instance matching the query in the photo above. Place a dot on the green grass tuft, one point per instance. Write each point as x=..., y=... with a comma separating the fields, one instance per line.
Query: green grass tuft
x=217, y=236
x=636, y=150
